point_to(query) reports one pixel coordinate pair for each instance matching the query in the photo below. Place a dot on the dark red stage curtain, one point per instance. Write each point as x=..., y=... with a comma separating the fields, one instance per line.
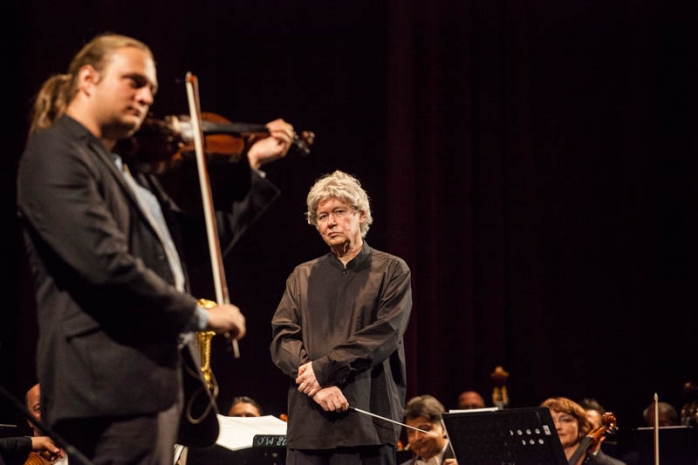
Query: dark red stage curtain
x=541, y=186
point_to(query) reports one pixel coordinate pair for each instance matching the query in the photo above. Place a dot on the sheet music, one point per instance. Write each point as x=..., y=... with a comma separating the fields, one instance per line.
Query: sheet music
x=474, y=410
x=238, y=432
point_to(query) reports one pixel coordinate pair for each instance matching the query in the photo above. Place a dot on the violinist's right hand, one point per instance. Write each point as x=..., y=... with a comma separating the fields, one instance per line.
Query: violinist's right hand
x=227, y=318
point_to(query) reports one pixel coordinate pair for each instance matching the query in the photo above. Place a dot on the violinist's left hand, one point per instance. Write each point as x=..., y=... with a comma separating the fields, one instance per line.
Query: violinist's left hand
x=272, y=147
x=306, y=380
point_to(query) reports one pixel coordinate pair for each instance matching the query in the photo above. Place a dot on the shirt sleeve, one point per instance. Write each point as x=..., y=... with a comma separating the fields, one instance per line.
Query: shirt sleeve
x=287, y=351
x=14, y=451
x=199, y=320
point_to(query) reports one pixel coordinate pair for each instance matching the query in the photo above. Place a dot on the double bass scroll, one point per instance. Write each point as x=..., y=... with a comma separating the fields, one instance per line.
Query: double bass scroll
x=500, y=395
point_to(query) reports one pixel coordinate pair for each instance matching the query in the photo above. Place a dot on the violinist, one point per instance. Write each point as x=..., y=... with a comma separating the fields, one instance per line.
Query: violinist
x=105, y=245
x=29, y=450
x=572, y=425
x=33, y=404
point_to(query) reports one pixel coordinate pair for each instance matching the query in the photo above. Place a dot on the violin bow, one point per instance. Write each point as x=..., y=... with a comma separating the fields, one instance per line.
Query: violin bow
x=214, y=246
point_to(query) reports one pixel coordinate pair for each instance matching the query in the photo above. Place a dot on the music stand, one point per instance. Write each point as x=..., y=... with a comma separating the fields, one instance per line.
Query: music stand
x=678, y=445
x=518, y=436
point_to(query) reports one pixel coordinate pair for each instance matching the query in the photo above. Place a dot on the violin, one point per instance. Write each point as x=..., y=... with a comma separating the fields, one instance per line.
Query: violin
x=594, y=437
x=35, y=459
x=160, y=144
x=41, y=458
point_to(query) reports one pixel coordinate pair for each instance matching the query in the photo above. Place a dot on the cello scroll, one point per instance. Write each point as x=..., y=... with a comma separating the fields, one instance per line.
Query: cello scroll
x=592, y=441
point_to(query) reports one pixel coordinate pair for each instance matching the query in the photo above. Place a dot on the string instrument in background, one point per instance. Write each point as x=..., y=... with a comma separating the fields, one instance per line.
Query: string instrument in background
x=43, y=458
x=500, y=395
x=594, y=437
x=34, y=458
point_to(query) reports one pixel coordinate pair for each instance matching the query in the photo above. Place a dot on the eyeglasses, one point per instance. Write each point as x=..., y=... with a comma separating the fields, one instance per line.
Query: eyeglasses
x=338, y=214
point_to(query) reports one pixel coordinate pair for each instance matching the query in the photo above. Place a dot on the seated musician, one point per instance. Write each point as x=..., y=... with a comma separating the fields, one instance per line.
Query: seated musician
x=244, y=406
x=34, y=450
x=432, y=446
x=44, y=447
x=667, y=414
x=572, y=425
x=469, y=400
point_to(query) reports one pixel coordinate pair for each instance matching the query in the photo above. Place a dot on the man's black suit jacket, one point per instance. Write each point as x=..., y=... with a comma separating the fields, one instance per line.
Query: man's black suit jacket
x=109, y=316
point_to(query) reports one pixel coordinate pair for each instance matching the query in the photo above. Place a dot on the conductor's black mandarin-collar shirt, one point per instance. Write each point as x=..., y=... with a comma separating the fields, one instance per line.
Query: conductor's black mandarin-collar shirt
x=349, y=321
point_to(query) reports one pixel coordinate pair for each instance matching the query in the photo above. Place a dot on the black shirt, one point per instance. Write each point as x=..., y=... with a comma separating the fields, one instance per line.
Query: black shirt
x=349, y=321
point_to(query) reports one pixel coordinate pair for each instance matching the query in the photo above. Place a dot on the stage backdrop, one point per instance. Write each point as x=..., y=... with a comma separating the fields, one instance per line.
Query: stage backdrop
x=532, y=161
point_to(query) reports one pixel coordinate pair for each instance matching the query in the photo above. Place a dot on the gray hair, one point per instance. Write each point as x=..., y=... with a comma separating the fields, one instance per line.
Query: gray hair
x=341, y=186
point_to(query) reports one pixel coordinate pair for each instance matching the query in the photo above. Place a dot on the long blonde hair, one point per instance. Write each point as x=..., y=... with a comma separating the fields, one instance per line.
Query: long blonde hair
x=57, y=91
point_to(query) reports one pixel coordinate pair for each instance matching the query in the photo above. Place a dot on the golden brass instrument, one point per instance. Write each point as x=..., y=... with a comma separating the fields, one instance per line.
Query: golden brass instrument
x=208, y=391
x=204, y=341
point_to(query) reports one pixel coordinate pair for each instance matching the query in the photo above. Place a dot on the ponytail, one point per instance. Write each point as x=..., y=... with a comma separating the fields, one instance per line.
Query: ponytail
x=51, y=102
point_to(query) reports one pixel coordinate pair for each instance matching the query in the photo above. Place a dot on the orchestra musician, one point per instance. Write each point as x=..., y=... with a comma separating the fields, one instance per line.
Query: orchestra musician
x=104, y=242
x=572, y=425
x=26, y=450
x=244, y=406
x=33, y=404
x=430, y=446
x=667, y=414
x=338, y=335
x=469, y=400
